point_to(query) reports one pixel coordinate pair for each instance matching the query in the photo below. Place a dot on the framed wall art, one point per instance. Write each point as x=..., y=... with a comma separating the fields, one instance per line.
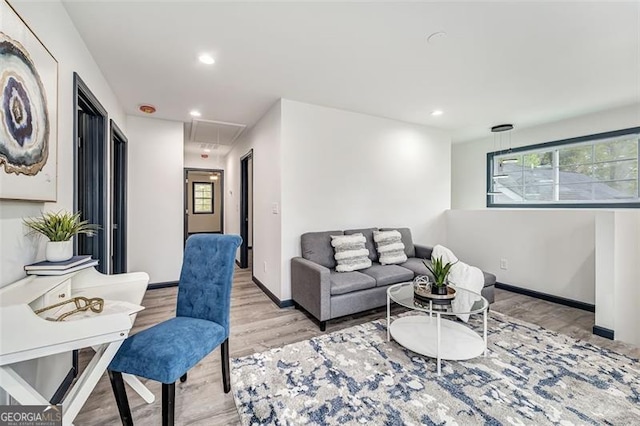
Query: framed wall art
x=28, y=112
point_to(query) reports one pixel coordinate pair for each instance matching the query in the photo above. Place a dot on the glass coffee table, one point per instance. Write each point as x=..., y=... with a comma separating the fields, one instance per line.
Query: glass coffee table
x=433, y=336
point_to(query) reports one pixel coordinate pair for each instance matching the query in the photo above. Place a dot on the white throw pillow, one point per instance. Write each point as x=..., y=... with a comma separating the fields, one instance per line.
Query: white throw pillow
x=390, y=247
x=350, y=252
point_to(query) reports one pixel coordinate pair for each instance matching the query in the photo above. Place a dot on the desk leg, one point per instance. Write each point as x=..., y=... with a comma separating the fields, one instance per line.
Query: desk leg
x=485, y=331
x=137, y=386
x=388, y=317
x=88, y=380
x=18, y=388
x=438, y=342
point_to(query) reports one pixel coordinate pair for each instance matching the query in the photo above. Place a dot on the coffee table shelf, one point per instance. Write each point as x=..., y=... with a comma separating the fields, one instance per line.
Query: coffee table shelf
x=433, y=336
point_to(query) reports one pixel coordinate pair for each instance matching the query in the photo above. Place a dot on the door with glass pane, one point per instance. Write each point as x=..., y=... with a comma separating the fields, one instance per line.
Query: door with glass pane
x=203, y=204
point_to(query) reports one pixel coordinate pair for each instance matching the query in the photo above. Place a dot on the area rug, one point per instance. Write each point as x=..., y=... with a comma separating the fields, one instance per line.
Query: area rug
x=531, y=376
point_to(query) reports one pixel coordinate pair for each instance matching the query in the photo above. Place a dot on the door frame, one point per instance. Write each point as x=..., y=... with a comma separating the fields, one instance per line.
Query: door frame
x=118, y=199
x=82, y=96
x=185, y=227
x=244, y=207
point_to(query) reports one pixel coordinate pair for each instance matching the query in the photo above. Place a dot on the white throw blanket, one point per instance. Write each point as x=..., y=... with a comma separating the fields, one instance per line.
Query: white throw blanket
x=463, y=276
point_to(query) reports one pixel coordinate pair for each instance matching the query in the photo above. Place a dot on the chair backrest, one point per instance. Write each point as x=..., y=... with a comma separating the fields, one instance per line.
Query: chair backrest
x=205, y=281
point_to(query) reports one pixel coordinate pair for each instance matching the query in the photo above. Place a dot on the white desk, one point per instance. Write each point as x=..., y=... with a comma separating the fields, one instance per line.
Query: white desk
x=26, y=336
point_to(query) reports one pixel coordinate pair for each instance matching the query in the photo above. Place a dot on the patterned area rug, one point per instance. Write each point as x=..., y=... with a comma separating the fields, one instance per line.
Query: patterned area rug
x=531, y=376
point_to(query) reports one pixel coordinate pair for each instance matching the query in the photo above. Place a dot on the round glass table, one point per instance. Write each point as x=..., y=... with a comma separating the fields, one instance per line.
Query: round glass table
x=431, y=335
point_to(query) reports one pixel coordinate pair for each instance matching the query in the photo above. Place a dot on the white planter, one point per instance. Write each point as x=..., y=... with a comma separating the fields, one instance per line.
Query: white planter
x=59, y=251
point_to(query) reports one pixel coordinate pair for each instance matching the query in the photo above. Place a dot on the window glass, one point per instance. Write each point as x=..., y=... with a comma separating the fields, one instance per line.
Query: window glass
x=203, y=197
x=598, y=170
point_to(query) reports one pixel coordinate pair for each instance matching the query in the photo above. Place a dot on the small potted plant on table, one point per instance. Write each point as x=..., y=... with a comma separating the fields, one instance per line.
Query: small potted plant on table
x=440, y=271
x=60, y=228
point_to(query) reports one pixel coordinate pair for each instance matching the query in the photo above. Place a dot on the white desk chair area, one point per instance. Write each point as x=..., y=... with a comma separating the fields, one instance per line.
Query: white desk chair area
x=27, y=336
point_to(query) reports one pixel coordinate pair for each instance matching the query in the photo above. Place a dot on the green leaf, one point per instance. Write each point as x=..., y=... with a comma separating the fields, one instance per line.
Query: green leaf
x=60, y=226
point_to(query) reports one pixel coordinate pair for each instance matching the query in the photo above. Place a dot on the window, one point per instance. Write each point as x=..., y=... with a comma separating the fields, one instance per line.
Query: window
x=590, y=171
x=202, y=197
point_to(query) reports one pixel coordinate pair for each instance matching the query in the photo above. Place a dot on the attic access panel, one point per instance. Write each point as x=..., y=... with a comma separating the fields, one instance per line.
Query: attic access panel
x=215, y=132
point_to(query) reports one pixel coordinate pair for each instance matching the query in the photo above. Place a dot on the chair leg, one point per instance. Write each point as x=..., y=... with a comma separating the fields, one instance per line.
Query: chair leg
x=168, y=403
x=120, y=393
x=183, y=378
x=226, y=380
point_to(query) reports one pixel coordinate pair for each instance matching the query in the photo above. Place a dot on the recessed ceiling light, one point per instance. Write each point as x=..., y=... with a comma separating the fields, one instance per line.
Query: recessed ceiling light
x=195, y=113
x=207, y=59
x=436, y=113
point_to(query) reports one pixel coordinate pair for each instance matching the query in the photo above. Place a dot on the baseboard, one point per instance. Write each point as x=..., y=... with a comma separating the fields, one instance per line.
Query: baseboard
x=548, y=297
x=273, y=297
x=156, y=286
x=64, y=387
x=603, y=332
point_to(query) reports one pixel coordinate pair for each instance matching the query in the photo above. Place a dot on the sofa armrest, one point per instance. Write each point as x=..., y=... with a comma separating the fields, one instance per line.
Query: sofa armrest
x=423, y=252
x=311, y=287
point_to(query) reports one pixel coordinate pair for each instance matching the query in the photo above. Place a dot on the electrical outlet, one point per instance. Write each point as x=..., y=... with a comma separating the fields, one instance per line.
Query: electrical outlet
x=504, y=264
x=264, y=266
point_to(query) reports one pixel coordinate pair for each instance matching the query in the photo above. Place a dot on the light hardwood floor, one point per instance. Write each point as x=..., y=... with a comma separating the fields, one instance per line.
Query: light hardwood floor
x=258, y=324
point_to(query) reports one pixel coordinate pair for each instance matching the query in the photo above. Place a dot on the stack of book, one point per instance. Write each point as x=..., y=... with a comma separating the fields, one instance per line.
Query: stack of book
x=76, y=263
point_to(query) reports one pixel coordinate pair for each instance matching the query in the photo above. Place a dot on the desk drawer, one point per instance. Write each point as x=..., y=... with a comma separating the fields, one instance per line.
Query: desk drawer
x=59, y=293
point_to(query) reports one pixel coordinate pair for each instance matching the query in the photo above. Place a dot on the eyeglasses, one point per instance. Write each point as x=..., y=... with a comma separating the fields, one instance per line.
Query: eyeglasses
x=83, y=304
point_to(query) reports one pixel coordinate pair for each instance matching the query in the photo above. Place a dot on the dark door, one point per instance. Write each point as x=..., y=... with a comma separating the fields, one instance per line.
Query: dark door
x=244, y=209
x=91, y=173
x=119, y=200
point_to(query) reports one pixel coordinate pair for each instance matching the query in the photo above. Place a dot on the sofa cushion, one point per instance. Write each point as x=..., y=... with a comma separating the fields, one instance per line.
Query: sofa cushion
x=388, y=274
x=350, y=252
x=489, y=279
x=417, y=266
x=316, y=247
x=347, y=282
x=369, y=244
x=390, y=247
x=405, y=234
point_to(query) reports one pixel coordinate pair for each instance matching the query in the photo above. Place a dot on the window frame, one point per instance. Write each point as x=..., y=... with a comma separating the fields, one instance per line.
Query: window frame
x=193, y=197
x=547, y=145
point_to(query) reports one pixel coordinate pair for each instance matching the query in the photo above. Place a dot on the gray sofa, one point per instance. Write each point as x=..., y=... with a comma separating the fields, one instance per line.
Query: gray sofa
x=327, y=294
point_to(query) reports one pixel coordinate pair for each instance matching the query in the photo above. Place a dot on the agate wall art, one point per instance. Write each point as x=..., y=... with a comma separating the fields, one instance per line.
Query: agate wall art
x=28, y=112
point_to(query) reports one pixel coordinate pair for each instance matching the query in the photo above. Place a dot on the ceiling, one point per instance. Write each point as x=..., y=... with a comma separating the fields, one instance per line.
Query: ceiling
x=214, y=138
x=524, y=63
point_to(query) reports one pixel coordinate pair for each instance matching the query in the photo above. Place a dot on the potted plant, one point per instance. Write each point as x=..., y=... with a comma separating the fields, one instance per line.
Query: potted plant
x=440, y=271
x=60, y=228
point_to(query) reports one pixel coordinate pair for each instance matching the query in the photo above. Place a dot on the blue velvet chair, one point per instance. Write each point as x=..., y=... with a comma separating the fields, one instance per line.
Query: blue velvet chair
x=166, y=351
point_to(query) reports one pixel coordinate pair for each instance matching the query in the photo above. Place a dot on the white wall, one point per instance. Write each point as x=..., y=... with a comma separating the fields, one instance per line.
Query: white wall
x=605, y=266
x=551, y=252
x=156, y=191
x=618, y=274
x=264, y=139
x=469, y=160
x=50, y=22
x=193, y=160
x=346, y=170
x=557, y=235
